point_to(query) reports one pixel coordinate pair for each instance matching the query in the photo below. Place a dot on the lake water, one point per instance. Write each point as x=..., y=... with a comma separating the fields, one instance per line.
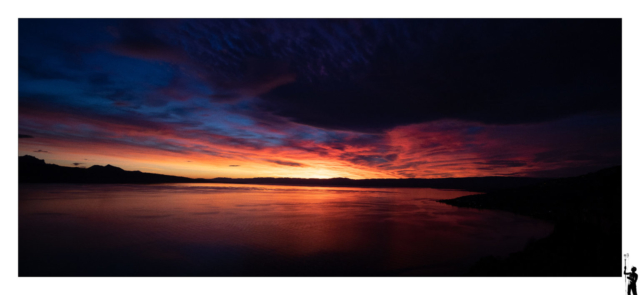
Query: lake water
x=257, y=230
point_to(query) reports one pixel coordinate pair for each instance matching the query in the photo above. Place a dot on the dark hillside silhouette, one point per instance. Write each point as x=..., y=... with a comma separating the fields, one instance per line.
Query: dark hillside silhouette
x=34, y=170
x=587, y=213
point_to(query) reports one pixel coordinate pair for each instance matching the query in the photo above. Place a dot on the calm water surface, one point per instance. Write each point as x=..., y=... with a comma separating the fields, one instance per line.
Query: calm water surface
x=240, y=230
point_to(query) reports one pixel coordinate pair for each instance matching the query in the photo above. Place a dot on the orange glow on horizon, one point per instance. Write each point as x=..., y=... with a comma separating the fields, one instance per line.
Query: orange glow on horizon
x=439, y=149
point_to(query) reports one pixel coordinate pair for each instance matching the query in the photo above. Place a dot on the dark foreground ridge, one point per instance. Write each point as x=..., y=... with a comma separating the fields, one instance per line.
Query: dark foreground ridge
x=587, y=238
x=34, y=170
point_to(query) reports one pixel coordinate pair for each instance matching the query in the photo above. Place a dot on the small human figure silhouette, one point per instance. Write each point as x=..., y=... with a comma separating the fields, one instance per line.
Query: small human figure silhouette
x=633, y=277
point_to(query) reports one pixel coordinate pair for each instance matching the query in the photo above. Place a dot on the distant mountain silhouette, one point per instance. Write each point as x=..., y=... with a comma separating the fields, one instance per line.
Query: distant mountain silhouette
x=587, y=238
x=34, y=170
x=478, y=184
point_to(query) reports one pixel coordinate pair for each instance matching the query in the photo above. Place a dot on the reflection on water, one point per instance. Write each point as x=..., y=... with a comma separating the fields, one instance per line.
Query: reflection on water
x=240, y=230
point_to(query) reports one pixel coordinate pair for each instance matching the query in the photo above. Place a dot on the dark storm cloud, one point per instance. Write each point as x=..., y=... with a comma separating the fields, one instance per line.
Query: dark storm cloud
x=24, y=136
x=147, y=39
x=360, y=75
x=226, y=54
x=491, y=71
x=340, y=141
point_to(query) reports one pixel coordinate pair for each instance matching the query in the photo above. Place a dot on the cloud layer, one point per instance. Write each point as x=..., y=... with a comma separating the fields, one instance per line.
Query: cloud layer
x=324, y=98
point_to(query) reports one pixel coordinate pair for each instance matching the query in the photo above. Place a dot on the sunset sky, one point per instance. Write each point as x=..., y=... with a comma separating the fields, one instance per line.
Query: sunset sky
x=323, y=98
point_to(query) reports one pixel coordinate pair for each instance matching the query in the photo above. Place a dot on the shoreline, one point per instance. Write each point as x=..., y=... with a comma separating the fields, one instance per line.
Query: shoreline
x=586, y=212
